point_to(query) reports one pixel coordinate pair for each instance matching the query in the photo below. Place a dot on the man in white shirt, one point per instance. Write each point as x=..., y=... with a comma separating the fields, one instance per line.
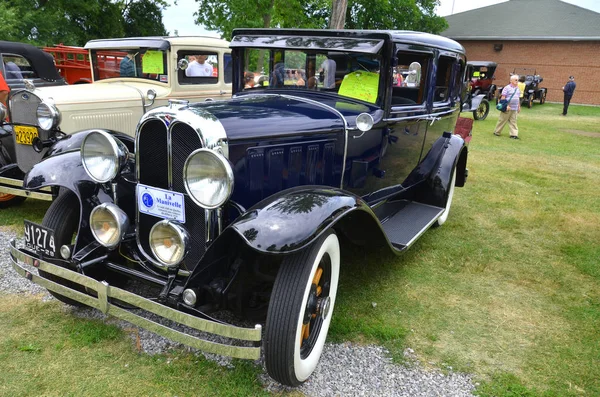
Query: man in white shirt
x=199, y=67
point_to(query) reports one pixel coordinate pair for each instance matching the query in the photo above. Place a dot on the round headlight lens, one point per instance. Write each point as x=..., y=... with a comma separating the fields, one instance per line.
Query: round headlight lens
x=208, y=178
x=102, y=156
x=364, y=122
x=108, y=223
x=48, y=116
x=169, y=242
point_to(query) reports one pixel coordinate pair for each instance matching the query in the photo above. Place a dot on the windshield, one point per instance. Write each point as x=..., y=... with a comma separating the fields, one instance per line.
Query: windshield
x=352, y=75
x=146, y=64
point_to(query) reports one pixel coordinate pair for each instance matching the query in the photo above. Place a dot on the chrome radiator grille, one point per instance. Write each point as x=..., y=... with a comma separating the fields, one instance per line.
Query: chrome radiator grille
x=161, y=153
x=23, y=107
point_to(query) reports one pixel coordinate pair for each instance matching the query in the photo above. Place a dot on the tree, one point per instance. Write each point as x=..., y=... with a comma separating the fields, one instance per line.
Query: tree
x=225, y=15
x=418, y=15
x=45, y=22
x=338, y=14
x=144, y=18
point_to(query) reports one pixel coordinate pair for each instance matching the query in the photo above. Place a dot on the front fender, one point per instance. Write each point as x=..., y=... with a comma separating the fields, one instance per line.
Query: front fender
x=64, y=170
x=72, y=142
x=292, y=219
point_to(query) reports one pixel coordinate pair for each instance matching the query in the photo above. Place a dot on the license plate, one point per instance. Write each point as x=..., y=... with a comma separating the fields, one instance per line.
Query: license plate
x=39, y=238
x=25, y=134
x=161, y=203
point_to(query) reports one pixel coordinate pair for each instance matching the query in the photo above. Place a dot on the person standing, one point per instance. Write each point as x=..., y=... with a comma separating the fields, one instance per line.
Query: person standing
x=4, y=90
x=568, y=89
x=510, y=93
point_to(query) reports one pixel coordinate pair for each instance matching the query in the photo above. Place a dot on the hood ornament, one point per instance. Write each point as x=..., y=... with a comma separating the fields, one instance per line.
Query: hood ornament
x=29, y=84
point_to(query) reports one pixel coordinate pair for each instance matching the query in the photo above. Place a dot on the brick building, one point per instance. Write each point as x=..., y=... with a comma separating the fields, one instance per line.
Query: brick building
x=556, y=39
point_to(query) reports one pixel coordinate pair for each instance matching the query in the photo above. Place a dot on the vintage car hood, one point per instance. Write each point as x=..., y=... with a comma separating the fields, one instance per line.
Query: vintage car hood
x=249, y=117
x=98, y=92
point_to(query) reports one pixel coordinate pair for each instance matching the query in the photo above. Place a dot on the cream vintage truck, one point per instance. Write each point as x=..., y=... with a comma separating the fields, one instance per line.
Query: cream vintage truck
x=130, y=77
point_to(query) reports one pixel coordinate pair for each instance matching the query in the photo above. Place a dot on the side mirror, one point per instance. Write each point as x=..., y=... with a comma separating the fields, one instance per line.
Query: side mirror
x=182, y=64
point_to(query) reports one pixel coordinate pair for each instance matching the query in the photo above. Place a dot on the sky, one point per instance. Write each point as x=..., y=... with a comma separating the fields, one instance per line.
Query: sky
x=181, y=18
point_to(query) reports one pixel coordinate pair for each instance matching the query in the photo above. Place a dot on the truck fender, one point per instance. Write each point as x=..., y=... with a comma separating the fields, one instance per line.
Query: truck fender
x=291, y=220
x=476, y=101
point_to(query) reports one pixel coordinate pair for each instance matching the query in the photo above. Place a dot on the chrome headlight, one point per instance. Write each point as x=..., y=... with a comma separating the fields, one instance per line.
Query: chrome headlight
x=169, y=242
x=102, y=156
x=48, y=116
x=108, y=224
x=208, y=178
x=364, y=122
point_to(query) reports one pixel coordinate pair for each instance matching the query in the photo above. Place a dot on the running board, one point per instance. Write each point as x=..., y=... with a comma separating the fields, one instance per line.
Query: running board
x=409, y=221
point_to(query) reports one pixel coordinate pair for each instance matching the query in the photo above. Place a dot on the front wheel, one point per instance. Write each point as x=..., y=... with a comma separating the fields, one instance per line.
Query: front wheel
x=530, y=101
x=300, y=310
x=482, y=110
x=62, y=217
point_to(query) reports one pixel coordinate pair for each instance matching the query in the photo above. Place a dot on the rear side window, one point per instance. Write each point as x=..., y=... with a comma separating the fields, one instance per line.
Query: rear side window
x=443, y=79
x=17, y=67
x=409, y=78
x=202, y=67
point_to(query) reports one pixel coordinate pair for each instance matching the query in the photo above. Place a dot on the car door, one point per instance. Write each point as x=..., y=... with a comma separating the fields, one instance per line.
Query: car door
x=196, y=88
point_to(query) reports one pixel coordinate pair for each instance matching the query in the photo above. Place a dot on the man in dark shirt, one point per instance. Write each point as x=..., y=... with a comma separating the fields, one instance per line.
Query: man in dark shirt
x=568, y=89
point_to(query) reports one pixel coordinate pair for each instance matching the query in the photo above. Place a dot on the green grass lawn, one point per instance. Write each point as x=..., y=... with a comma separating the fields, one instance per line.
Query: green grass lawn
x=507, y=290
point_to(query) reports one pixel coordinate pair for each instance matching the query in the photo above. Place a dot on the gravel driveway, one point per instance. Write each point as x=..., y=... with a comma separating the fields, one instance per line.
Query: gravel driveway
x=344, y=370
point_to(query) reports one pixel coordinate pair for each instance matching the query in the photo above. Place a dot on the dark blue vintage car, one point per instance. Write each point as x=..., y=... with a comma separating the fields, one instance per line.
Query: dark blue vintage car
x=239, y=205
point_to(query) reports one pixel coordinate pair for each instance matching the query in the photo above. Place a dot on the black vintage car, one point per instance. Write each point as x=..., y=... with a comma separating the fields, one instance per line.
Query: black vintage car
x=481, y=88
x=241, y=205
x=529, y=83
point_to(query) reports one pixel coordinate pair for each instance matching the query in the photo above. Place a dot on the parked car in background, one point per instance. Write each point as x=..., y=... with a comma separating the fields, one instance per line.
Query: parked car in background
x=532, y=91
x=73, y=63
x=241, y=205
x=43, y=118
x=20, y=62
x=480, y=88
x=482, y=78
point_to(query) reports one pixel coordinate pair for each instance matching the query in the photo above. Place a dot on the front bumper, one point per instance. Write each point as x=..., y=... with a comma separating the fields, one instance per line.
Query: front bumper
x=105, y=291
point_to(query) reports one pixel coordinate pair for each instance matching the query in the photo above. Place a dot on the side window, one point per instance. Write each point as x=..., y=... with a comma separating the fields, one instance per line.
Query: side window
x=227, y=68
x=409, y=79
x=17, y=67
x=202, y=67
x=443, y=79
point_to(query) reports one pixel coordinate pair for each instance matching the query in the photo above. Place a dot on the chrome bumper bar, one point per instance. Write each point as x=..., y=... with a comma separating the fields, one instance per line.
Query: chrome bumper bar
x=105, y=291
x=17, y=190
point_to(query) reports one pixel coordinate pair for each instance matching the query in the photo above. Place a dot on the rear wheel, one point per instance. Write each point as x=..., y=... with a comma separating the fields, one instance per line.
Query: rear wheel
x=300, y=310
x=482, y=110
x=543, y=97
x=62, y=217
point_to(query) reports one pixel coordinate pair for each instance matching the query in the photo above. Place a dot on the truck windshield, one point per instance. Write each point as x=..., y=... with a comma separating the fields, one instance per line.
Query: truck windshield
x=353, y=75
x=146, y=64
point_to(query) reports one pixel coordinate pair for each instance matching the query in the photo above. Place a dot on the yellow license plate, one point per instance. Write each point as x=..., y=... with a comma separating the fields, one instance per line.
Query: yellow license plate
x=24, y=134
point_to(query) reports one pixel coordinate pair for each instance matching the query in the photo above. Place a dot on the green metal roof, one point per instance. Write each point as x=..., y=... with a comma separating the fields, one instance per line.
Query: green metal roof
x=525, y=20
